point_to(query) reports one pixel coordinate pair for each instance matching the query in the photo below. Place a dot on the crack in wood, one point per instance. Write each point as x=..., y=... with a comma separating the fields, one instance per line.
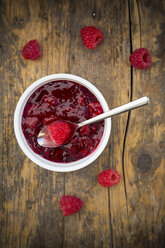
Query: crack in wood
x=139, y=21
x=110, y=220
x=63, y=221
x=129, y=113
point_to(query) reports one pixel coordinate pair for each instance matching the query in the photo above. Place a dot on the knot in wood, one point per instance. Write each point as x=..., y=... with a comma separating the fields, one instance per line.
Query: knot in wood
x=144, y=163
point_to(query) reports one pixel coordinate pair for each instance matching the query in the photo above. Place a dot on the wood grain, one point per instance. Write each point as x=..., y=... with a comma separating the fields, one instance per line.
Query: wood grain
x=145, y=147
x=131, y=214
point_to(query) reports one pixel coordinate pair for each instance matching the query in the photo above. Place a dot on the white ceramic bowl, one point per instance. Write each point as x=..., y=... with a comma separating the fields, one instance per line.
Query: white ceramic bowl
x=53, y=166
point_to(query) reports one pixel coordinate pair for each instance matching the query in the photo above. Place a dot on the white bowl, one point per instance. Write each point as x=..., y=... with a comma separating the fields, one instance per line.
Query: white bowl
x=37, y=159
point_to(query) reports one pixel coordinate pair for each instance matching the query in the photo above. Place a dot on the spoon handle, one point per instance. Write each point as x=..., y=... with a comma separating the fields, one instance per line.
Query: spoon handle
x=119, y=110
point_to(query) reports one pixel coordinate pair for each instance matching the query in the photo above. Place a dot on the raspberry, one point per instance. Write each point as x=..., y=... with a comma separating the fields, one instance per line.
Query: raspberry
x=84, y=153
x=141, y=58
x=70, y=204
x=31, y=122
x=32, y=50
x=91, y=37
x=108, y=178
x=81, y=100
x=95, y=109
x=33, y=110
x=27, y=110
x=84, y=130
x=49, y=119
x=51, y=100
x=59, y=131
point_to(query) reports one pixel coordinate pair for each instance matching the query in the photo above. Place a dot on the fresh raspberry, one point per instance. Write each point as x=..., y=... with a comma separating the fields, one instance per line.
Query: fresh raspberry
x=70, y=204
x=141, y=58
x=108, y=178
x=91, y=37
x=32, y=50
x=59, y=131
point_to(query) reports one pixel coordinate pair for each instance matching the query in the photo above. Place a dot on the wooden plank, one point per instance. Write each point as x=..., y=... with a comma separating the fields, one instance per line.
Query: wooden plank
x=145, y=147
x=103, y=221
x=30, y=213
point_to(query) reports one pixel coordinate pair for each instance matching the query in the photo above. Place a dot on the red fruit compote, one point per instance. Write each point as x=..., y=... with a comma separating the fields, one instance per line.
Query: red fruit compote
x=63, y=100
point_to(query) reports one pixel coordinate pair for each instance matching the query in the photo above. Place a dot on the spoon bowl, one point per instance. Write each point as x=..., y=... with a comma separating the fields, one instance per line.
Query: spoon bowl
x=46, y=136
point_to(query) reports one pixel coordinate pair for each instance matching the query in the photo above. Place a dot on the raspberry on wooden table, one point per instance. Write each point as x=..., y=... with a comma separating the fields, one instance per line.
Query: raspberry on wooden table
x=91, y=37
x=70, y=204
x=108, y=178
x=32, y=50
x=141, y=58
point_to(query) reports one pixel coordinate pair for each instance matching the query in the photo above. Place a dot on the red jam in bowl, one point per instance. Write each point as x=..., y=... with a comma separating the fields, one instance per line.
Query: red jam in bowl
x=63, y=100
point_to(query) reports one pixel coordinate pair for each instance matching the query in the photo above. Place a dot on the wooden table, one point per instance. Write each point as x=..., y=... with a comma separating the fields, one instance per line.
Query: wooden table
x=130, y=214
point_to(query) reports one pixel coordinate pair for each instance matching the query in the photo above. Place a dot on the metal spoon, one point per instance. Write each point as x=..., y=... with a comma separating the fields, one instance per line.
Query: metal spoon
x=119, y=110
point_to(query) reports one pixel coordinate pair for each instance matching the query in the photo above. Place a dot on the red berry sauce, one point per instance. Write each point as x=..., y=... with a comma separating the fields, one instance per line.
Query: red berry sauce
x=63, y=100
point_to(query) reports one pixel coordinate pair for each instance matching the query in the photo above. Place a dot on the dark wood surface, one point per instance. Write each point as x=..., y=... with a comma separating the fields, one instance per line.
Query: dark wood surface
x=131, y=214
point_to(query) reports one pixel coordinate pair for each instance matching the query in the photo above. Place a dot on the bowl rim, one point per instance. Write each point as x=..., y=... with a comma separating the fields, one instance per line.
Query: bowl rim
x=37, y=159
